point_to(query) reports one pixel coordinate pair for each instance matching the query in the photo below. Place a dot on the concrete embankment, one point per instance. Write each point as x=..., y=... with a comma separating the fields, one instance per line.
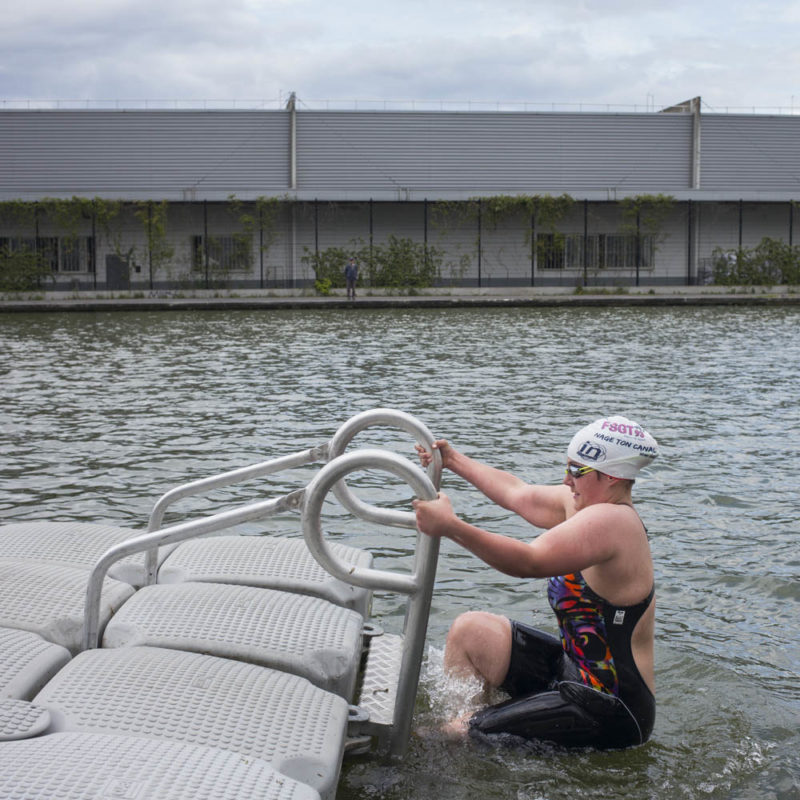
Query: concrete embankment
x=427, y=298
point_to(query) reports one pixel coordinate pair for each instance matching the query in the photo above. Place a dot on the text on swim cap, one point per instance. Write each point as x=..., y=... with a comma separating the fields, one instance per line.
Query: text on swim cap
x=643, y=449
x=620, y=427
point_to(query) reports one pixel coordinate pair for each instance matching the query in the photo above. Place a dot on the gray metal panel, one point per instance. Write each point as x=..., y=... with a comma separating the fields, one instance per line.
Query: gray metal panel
x=750, y=153
x=342, y=155
x=479, y=152
x=120, y=153
x=379, y=685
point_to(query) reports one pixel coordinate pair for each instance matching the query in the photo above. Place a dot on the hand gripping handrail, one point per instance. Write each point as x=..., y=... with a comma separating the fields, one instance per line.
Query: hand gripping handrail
x=391, y=418
x=418, y=585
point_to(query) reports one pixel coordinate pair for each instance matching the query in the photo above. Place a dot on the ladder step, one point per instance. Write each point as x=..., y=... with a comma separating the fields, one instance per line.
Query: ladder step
x=267, y=562
x=79, y=766
x=379, y=682
x=27, y=662
x=295, y=633
x=177, y=696
x=48, y=599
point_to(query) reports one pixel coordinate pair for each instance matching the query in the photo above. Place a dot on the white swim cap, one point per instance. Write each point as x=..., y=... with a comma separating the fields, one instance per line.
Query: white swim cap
x=614, y=446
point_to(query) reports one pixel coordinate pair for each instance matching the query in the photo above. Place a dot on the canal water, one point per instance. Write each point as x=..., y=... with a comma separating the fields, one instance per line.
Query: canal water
x=101, y=413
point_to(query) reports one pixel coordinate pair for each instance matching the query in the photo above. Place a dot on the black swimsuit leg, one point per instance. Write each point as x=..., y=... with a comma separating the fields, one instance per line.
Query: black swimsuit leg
x=545, y=716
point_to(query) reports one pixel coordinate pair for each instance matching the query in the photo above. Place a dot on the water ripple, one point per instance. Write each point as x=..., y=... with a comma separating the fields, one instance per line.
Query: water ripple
x=101, y=413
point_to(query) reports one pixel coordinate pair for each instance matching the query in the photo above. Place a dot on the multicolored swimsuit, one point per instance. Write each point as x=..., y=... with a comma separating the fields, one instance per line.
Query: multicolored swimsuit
x=581, y=690
x=596, y=636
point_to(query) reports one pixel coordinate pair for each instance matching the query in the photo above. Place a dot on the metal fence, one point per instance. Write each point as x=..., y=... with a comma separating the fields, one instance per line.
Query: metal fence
x=277, y=243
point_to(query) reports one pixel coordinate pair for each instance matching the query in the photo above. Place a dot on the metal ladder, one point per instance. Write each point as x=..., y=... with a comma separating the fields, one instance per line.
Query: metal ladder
x=390, y=679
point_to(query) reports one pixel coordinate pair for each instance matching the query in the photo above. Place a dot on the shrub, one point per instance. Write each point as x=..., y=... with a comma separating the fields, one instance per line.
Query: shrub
x=400, y=263
x=21, y=270
x=770, y=262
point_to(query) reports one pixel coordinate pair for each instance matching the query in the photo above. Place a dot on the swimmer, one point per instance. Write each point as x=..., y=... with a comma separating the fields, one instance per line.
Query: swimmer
x=593, y=685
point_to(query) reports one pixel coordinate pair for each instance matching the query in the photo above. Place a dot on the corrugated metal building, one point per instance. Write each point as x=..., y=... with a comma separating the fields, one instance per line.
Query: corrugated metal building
x=254, y=195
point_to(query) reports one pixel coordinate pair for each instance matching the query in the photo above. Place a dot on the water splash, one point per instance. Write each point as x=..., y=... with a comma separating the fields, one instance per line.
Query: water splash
x=450, y=697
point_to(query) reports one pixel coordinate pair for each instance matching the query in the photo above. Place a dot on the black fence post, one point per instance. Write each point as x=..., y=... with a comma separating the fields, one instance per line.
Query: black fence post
x=480, y=245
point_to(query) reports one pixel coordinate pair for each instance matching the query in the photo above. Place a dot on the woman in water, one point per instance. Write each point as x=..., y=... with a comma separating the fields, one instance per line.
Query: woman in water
x=593, y=685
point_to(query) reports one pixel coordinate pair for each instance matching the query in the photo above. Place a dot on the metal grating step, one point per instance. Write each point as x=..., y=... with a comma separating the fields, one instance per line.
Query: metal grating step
x=21, y=720
x=172, y=695
x=27, y=662
x=379, y=683
x=48, y=599
x=86, y=766
x=76, y=544
x=267, y=562
x=294, y=633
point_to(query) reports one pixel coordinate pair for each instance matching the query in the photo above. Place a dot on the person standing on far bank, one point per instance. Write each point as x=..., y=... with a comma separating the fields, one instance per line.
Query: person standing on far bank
x=350, y=277
x=593, y=685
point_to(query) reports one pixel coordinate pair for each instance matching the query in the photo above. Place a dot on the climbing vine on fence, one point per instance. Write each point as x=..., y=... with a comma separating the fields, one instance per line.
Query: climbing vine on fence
x=541, y=211
x=153, y=217
x=545, y=211
x=644, y=214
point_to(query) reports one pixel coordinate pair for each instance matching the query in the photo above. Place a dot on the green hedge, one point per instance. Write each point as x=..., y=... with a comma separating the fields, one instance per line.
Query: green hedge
x=399, y=263
x=770, y=263
x=22, y=270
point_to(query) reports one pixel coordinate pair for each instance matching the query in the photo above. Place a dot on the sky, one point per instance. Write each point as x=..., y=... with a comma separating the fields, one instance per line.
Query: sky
x=620, y=53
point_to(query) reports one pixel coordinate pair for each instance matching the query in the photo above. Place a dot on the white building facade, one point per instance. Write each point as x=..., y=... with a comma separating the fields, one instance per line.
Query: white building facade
x=155, y=199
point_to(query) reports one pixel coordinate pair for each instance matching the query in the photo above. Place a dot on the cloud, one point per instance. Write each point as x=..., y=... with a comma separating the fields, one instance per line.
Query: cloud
x=575, y=51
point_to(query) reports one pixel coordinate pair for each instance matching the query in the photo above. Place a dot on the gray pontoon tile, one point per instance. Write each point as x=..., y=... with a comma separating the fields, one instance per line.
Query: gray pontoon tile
x=77, y=544
x=21, y=720
x=87, y=766
x=27, y=662
x=49, y=599
x=290, y=632
x=269, y=562
x=216, y=702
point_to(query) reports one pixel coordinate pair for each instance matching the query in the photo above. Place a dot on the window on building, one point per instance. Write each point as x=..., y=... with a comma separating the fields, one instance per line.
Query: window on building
x=550, y=250
x=596, y=251
x=577, y=248
x=620, y=251
x=75, y=254
x=226, y=253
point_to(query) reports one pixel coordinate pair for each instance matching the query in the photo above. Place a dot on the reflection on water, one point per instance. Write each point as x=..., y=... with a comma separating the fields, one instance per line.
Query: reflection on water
x=102, y=412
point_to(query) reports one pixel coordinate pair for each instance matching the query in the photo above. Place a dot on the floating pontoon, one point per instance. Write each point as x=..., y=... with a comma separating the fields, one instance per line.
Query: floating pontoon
x=186, y=662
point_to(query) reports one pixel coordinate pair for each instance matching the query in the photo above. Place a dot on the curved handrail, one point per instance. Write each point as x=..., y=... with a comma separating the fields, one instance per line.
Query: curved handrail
x=391, y=418
x=418, y=585
x=324, y=452
x=259, y=470
x=326, y=479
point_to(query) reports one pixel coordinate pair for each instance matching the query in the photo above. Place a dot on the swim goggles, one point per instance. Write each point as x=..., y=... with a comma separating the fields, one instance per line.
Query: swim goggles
x=577, y=471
